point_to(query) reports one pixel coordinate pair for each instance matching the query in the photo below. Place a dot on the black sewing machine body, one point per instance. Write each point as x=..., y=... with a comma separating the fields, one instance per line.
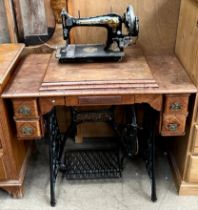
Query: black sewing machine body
x=116, y=40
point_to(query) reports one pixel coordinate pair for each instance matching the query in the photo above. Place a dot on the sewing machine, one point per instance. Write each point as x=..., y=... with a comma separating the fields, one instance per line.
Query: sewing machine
x=116, y=39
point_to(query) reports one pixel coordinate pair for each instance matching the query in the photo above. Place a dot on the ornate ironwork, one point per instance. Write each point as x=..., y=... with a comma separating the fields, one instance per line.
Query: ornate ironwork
x=56, y=146
x=99, y=162
x=129, y=142
x=92, y=116
x=128, y=133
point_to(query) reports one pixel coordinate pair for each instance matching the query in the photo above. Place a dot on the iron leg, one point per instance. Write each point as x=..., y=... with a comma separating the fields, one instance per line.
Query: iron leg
x=148, y=146
x=153, y=187
x=56, y=145
x=52, y=178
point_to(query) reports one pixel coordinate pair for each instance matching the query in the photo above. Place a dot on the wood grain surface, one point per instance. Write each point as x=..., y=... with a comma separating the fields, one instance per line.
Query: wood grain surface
x=57, y=6
x=33, y=125
x=187, y=52
x=176, y=104
x=187, y=38
x=168, y=72
x=4, y=34
x=178, y=120
x=158, y=20
x=9, y=54
x=192, y=175
x=10, y=15
x=133, y=71
x=33, y=17
x=195, y=143
x=30, y=105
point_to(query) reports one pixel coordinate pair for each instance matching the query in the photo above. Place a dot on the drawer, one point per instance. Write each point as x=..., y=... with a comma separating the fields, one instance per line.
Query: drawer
x=99, y=100
x=176, y=104
x=192, y=174
x=195, y=139
x=46, y=104
x=26, y=108
x=95, y=100
x=30, y=129
x=173, y=125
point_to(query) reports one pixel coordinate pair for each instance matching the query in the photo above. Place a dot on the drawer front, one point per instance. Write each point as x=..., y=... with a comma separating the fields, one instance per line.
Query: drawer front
x=26, y=108
x=99, y=100
x=192, y=175
x=30, y=129
x=195, y=139
x=176, y=104
x=173, y=125
x=95, y=100
x=46, y=104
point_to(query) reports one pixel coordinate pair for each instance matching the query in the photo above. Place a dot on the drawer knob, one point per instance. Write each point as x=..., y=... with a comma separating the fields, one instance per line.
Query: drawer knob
x=25, y=110
x=172, y=126
x=175, y=106
x=26, y=130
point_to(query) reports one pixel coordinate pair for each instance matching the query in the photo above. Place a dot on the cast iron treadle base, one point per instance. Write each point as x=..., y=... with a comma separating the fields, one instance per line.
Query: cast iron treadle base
x=99, y=159
x=94, y=159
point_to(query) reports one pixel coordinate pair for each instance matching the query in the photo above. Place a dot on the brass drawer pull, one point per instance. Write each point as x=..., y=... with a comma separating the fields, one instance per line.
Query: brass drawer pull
x=25, y=110
x=26, y=130
x=175, y=106
x=172, y=126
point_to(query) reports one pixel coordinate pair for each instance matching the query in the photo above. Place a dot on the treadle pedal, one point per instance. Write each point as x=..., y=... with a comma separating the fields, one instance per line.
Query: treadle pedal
x=94, y=159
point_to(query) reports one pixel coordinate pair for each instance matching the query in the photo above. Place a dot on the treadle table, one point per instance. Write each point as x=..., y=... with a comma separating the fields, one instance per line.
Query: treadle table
x=40, y=83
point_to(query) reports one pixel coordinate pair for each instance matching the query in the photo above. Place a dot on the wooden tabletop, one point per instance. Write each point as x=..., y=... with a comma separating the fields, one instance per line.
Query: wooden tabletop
x=30, y=74
x=9, y=53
